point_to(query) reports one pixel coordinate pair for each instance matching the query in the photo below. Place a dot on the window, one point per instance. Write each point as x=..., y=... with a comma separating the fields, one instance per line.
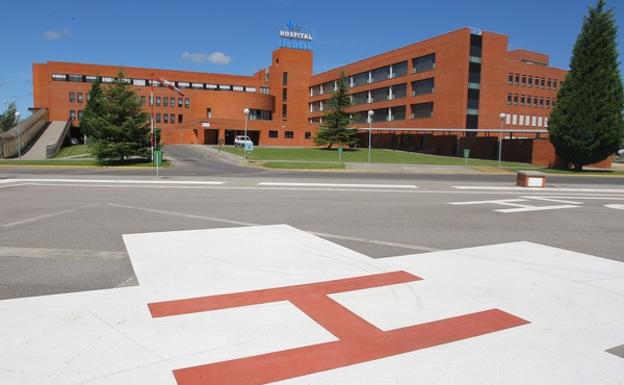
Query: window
x=284, y=95
x=80, y=114
x=554, y=84
x=535, y=101
x=509, y=78
x=166, y=118
x=542, y=83
x=72, y=114
x=549, y=84
x=308, y=135
x=264, y=90
x=158, y=117
x=380, y=94
x=422, y=87
x=522, y=99
x=530, y=81
x=250, y=89
x=107, y=80
x=515, y=99
x=75, y=78
x=473, y=99
x=284, y=78
x=424, y=63
x=399, y=69
x=184, y=84
x=517, y=79
x=79, y=97
x=209, y=112
x=172, y=102
x=284, y=112
x=379, y=74
x=360, y=79
x=397, y=113
x=547, y=102
x=171, y=118
x=187, y=103
x=316, y=90
x=180, y=102
x=422, y=110
x=523, y=80
x=141, y=100
x=72, y=97
x=91, y=79
x=238, y=88
x=541, y=102
x=289, y=134
x=399, y=91
x=474, y=73
x=509, y=98
x=59, y=77
x=328, y=87
x=211, y=86
x=135, y=82
x=224, y=87
x=165, y=101
x=151, y=100
x=180, y=118
x=272, y=134
x=158, y=101
x=197, y=86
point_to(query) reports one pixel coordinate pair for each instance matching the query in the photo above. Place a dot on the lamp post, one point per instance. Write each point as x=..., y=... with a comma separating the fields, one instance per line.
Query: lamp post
x=370, y=127
x=502, y=117
x=246, y=112
x=19, y=138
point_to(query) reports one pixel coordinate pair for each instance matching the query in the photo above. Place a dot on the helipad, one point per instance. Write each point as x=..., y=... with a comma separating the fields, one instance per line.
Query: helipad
x=267, y=304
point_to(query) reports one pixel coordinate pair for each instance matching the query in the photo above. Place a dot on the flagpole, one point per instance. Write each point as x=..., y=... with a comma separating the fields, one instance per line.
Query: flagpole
x=151, y=101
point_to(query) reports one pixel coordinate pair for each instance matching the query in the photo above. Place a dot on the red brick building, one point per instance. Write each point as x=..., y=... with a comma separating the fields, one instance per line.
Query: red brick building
x=460, y=80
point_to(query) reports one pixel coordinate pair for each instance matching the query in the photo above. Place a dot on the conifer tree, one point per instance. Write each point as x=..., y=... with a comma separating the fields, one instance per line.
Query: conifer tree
x=587, y=125
x=114, y=122
x=8, y=119
x=335, y=126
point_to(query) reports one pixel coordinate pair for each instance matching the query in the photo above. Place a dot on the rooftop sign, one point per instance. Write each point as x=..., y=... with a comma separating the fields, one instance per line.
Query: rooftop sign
x=294, y=36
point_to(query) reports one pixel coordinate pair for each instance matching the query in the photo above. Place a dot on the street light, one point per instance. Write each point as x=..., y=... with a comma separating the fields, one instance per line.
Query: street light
x=19, y=138
x=246, y=112
x=502, y=117
x=370, y=127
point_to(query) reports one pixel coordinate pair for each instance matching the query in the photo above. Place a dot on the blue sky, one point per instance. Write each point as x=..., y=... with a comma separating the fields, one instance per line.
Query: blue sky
x=238, y=36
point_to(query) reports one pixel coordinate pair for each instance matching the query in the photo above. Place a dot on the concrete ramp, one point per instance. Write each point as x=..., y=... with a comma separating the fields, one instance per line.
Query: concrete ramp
x=52, y=137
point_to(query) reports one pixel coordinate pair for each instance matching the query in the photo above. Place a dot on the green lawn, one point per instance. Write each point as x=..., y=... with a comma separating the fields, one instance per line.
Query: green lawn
x=77, y=163
x=361, y=155
x=305, y=165
x=75, y=150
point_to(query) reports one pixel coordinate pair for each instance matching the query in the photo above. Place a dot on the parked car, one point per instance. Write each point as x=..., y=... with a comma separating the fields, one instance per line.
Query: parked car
x=240, y=140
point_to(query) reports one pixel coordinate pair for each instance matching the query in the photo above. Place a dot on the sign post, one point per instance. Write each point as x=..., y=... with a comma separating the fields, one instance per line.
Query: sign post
x=466, y=155
x=340, y=154
x=157, y=159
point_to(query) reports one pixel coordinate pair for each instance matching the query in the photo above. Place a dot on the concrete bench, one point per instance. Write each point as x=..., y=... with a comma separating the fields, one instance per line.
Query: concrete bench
x=531, y=179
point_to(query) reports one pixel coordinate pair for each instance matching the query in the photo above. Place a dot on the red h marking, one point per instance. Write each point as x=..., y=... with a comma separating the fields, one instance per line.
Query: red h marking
x=359, y=341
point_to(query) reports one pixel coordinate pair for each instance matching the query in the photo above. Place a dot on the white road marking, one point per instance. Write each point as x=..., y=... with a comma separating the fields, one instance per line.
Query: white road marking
x=45, y=216
x=302, y=184
x=521, y=207
x=35, y=252
x=552, y=199
x=547, y=189
x=124, y=181
x=241, y=223
x=615, y=206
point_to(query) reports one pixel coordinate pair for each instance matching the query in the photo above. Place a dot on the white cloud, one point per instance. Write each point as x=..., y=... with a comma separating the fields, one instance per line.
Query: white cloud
x=199, y=57
x=56, y=34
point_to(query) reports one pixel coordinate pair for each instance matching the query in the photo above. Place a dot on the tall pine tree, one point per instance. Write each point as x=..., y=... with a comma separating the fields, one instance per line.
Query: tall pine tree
x=8, y=119
x=335, y=126
x=114, y=123
x=587, y=125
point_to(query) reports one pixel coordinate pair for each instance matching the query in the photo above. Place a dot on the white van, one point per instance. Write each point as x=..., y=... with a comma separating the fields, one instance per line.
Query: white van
x=240, y=140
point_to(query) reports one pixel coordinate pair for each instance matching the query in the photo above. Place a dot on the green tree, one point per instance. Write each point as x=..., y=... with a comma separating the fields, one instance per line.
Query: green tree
x=7, y=119
x=335, y=126
x=587, y=125
x=115, y=126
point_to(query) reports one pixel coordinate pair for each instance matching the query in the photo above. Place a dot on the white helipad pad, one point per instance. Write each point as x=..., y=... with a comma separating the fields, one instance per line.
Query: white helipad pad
x=273, y=304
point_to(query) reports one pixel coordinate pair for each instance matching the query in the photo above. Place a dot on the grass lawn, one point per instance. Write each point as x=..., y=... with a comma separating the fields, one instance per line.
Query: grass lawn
x=361, y=155
x=305, y=165
x=75, y=150
x=78, y=163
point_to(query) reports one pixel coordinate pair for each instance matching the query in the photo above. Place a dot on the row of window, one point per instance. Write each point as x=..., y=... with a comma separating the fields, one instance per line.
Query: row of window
x=397, y=91
x=77, y=97
x=533, y=81
x=526, y=120
x=167, y=101
x=530, y=101
x=156, y=83
x=418, y=111
x=74, y=116
x=168, y=118
x=288, y=134
x=419, y=64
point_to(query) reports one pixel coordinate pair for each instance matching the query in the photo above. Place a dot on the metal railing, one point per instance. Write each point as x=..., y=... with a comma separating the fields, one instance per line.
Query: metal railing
x=13, y=142
x=53, y=149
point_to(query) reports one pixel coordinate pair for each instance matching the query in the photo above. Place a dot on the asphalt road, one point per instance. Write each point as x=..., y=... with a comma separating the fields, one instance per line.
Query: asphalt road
x=63, y=236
